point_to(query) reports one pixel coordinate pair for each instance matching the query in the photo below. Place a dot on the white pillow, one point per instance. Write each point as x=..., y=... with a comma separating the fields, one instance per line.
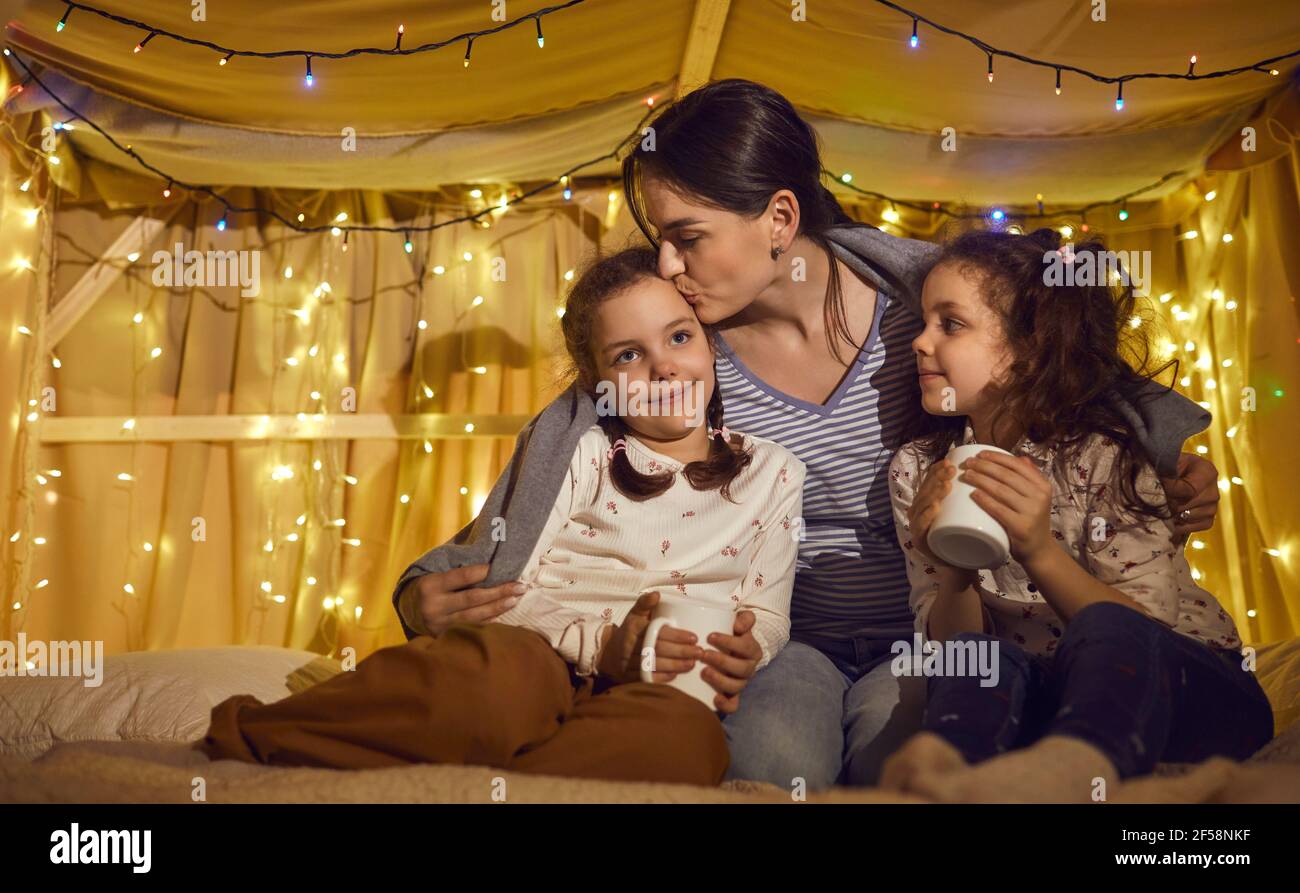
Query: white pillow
x=148, y=695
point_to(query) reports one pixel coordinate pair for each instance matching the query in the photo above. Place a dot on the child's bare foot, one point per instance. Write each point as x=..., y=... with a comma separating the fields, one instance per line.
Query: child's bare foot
x=1058, y=769
x=923, y=752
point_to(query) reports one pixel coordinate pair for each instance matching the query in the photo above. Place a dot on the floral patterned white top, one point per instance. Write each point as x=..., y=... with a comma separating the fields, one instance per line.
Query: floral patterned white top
x=600, y=550
x=1132, y=553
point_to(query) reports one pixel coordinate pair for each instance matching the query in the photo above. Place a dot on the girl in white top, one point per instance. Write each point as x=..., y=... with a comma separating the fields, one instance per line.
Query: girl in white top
x=662, y=503
x=1108, y=656
x=661, y=497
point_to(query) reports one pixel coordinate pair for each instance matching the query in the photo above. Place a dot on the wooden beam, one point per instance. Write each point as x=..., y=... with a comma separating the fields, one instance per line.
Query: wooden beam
x=707, y=24
x=335, y=426
x=78, y=300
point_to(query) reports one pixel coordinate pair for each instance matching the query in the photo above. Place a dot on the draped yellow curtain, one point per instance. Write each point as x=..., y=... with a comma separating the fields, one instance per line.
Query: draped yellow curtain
x=284, y=543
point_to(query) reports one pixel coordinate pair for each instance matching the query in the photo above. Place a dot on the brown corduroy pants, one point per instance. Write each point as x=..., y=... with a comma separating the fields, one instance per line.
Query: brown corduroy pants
x=482, y=695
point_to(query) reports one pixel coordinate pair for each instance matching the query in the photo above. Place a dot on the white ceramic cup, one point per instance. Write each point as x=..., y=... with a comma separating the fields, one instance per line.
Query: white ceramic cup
x=701, y=619
x=963, y=534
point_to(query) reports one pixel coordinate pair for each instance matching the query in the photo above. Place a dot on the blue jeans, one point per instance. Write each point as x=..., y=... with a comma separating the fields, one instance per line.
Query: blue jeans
x=826, y=711
x=1125, y=683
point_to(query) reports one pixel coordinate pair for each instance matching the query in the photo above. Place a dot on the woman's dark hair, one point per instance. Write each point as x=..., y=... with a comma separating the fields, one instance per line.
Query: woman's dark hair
x=1072, y=350
x=731, y=145
x=600, y=280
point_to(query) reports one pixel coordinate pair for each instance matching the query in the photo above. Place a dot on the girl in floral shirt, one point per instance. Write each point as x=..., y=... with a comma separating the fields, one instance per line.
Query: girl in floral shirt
x=1107, y=656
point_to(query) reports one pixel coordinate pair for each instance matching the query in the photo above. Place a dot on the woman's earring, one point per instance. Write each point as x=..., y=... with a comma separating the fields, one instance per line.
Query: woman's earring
x=776, y=252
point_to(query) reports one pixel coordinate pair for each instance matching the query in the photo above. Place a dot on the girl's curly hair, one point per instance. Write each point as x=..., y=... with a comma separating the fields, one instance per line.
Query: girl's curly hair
x=1073, y=350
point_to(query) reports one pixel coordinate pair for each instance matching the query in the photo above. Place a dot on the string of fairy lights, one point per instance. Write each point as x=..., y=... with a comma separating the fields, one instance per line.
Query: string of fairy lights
x=999, y=216
x=1263, y=66
x=226, y=54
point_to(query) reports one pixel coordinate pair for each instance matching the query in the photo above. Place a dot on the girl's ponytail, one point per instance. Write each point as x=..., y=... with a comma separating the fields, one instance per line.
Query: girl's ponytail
x=717, y=472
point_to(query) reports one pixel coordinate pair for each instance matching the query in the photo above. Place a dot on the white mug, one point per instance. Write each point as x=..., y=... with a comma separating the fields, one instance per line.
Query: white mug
x=701, y=619
x=963, y=534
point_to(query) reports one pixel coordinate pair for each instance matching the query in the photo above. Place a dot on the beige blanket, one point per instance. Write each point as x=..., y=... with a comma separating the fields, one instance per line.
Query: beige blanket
x=135, y=771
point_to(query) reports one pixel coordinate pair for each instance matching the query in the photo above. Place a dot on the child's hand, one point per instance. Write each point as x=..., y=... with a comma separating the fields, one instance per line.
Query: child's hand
x=733, y=664
x=935, y=485
x=1018, y=496
x=620, y=656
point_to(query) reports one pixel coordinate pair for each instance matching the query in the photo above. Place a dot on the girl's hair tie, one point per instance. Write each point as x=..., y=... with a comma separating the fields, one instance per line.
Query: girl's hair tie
x=1067, y=252
x=619, y=444
x=724, y=431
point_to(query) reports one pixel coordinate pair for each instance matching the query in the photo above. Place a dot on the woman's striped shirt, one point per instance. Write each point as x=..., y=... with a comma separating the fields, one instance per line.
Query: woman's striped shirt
x=851, y=578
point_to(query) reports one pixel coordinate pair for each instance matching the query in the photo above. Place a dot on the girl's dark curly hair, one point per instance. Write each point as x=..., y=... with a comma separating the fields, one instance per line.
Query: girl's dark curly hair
x=600, y=280
x=1073, y=351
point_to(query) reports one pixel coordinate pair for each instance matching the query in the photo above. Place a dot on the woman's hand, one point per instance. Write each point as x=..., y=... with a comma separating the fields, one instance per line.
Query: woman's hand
x=733, y=664
x=1017, y=495
x=935, y=485
x=621, y=656
x=439, y=600
x=1195, y=491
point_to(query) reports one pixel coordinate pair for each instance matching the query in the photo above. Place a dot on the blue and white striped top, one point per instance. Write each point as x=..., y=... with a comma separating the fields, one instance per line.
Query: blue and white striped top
x=850, y=577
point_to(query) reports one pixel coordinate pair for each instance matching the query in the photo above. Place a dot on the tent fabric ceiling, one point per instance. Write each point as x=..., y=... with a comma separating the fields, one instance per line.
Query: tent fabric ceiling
x=522, y=113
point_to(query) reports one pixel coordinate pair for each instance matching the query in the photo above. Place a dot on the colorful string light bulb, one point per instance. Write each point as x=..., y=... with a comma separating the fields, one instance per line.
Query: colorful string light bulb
x=915, y=41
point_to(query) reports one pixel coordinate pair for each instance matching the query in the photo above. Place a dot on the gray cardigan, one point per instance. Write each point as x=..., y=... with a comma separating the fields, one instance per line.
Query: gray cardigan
x=527, y=489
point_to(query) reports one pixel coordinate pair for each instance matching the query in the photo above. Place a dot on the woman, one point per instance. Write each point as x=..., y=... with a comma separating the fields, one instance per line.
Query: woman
x=815, y=316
